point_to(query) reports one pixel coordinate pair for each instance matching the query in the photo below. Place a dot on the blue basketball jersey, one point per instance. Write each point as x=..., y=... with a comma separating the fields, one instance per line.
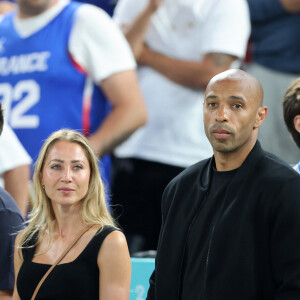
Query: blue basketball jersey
x=41, y=88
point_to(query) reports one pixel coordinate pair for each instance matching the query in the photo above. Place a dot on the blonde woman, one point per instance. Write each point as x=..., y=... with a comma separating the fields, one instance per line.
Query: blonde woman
x=69, y=198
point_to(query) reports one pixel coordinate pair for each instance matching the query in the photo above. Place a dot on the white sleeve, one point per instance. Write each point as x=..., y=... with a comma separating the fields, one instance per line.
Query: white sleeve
x=98, y=45
x=127, y=10
x=12, y=153
x=228, y=28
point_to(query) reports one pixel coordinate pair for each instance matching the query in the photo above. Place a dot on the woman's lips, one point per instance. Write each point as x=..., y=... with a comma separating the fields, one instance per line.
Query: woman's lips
x=66, y=190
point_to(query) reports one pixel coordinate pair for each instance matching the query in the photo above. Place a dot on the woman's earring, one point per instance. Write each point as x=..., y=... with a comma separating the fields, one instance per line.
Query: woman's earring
x=43, y=187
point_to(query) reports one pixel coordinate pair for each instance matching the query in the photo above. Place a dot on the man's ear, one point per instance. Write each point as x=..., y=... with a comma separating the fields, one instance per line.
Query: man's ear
x=297, y=123
x=260, y=116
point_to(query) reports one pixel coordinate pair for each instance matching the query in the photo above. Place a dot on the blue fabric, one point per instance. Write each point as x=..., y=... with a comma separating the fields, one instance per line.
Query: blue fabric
x=107, y=5
x=275, y=36
x=10, y=222
x=42, y=88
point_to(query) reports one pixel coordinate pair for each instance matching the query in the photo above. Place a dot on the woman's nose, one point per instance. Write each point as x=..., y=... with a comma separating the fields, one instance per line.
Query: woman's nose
x=67, y=174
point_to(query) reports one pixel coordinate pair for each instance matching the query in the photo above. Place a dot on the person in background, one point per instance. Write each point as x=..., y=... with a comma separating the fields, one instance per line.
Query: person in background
x=15, y=168
x=275, y=63
x=10, y=222
x=69, y=198
x=179, y=45
x=291, y=113
x=231, y=223
x=14, y=160
x=7, y=6
x=56, y=58
x=107, y=5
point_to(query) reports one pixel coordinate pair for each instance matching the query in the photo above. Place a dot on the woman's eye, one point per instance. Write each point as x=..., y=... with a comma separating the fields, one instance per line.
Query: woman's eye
x=212, y=104
x=78, y=167
x=55, y=167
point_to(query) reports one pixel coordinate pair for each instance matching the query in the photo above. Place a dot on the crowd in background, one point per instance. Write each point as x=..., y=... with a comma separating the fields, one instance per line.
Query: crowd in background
x=134, y=85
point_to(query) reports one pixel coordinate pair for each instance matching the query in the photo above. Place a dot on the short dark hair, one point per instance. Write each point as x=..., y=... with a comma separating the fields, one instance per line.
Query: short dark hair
x=1, y=118
x=291, y=108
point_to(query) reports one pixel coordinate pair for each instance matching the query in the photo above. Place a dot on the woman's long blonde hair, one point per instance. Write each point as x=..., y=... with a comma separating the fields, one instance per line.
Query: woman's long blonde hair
x=94, y=209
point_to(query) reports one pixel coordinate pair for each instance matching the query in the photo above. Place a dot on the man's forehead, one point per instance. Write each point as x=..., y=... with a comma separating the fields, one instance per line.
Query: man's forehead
x=233, y=97
x=236, y=82
x=230, y=80
x=232, y=74
x=224, y=86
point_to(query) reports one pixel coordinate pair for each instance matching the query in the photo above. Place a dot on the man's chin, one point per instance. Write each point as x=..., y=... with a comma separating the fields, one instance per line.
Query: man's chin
x=222, y=147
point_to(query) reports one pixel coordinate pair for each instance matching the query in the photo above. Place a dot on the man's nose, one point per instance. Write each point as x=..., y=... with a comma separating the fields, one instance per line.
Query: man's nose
x=222, y=114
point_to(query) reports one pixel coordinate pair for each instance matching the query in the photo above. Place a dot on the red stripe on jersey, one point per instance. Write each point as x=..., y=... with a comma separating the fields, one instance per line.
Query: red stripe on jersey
x=86, y=120
x=77, y=66
x=87, y=98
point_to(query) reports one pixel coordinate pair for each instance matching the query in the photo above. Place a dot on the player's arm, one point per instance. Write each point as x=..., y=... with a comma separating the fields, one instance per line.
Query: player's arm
x=114, y=268
x=192, y=74
x=106, y=56
x=128, y=112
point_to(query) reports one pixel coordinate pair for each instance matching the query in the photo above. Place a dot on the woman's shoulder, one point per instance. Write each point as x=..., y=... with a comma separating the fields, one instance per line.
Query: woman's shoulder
x=100, y=234
x=105, y=239
x=114, y=245
x=113, y=237
x=104, y=231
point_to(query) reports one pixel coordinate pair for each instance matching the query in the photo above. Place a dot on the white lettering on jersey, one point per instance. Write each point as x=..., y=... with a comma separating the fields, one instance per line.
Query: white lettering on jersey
x=26, y=94
x=24, y=63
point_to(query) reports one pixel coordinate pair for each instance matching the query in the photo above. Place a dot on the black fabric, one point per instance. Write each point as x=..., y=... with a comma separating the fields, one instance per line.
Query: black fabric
x=78, y=279
x=254, y=248
x=195, y=256
x=137, y=187
x=11, y=222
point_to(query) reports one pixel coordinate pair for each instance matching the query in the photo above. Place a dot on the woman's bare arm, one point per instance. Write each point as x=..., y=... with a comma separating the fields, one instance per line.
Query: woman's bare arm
x=114, y=268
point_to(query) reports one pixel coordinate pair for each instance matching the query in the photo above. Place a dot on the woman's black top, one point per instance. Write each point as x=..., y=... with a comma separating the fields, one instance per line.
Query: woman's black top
x=78, y=279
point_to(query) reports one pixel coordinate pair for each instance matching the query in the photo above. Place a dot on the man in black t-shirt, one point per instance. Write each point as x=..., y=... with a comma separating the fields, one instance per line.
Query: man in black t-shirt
x=231, y=223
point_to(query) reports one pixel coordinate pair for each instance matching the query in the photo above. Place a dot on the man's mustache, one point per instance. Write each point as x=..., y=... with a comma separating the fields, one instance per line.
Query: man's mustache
x=221, y=127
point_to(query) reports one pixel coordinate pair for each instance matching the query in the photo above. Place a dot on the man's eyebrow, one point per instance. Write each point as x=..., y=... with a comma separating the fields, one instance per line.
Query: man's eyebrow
x=211, y=97
x=237, y=98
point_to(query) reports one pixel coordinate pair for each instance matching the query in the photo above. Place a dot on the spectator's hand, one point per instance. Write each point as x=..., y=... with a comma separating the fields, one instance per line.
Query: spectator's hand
x=6, y=7
x=145, y=55
x=154, y=4
x=291, y=6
